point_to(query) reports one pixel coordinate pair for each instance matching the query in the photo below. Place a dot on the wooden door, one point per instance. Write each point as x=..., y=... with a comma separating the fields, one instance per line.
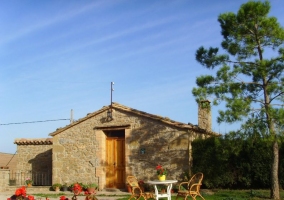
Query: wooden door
x=115, y=162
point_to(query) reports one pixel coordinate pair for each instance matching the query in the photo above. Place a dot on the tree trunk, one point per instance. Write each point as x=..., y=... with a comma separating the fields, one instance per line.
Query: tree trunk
x=190, y=159
x=274, y=173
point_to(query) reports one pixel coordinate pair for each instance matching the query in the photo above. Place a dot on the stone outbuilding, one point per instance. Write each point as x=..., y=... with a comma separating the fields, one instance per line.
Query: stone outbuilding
x=109, y=144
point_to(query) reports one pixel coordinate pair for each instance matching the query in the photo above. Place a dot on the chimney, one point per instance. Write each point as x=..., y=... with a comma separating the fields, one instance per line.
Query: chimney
x=204, y=115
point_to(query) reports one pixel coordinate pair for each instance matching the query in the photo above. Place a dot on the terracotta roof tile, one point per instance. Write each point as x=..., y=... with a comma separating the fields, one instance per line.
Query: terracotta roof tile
x=36, y=141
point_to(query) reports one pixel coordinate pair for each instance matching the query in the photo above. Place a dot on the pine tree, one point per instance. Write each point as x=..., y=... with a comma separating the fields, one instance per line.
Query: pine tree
x=249, y=75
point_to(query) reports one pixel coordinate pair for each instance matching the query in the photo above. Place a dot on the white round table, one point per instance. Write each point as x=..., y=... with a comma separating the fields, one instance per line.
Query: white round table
x=169, y=184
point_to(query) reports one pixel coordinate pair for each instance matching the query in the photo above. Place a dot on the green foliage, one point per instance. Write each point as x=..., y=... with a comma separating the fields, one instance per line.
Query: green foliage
x=55, y=185
x=231, y=162
x=72, y=185
x=90, y=185
x=209, y=57
x=250, y=85
x=213, y=195
x=249, y=82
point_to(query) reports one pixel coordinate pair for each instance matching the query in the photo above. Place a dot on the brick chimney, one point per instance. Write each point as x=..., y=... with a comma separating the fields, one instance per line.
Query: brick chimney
x=204, y=115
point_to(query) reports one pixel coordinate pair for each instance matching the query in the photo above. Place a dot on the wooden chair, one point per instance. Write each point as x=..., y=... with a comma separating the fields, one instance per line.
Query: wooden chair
x=191, y=188
x=136, y=191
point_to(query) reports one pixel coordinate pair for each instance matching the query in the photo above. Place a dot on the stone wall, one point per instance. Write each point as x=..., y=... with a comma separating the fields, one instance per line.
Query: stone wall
x=4, y=179
x=79, y=152
x=34, y=161
x=34, y=158
x=74, y=153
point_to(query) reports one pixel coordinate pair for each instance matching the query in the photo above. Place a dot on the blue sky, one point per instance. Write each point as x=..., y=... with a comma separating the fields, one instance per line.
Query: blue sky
x=59, y=55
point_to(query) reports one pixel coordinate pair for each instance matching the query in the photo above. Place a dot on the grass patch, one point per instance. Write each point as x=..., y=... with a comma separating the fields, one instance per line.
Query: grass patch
x=57, y=195
x=239, y=195
x=214, y=194
x=229, y=195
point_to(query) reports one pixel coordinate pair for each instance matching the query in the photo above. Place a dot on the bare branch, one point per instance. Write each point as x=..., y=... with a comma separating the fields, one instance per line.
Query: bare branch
x=280, y=94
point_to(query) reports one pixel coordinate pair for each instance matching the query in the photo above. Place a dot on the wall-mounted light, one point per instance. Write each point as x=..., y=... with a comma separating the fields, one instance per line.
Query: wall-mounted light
x=142, y=151
x=109, y=114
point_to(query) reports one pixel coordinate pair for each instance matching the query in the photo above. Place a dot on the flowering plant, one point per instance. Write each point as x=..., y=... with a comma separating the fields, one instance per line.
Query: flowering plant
x=160, y=170
x=63, y=198
x=29, y=181
x=21, y=191
x=31, y=197
x=77, y=188
x=90, y=196
x=21, y=194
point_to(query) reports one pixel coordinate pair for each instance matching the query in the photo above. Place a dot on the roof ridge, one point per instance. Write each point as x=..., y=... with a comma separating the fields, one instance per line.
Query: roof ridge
x=165, y=119
x=118, y=106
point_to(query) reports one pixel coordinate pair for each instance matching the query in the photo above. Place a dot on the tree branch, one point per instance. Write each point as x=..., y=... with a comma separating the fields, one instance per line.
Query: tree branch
x=280, y=94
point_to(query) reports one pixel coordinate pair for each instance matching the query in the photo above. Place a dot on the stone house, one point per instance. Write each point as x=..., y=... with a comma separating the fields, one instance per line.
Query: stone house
x=109, y=144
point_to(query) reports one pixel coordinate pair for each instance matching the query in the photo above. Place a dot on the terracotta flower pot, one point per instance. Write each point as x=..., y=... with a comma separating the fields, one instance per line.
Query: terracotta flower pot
x=91, y=190
x=57, y=189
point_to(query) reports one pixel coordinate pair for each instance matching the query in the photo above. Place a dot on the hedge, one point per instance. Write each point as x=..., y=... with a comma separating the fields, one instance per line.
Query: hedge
x=235, y=163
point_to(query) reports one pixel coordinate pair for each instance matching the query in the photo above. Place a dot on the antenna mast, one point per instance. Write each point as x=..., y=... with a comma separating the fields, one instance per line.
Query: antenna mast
x=71, y=117
x=111, y=89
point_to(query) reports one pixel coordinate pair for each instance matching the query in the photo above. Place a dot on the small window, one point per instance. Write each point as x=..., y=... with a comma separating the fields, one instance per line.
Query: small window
x=115, y=133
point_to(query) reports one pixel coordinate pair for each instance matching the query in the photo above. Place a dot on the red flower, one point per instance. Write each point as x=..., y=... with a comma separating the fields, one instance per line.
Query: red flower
x=31, y=197
x=18, y=192
x=24, y=192
x=160, y=170
x=159, y=167
x=21, y=191
x=77, y=188
x=63, y=198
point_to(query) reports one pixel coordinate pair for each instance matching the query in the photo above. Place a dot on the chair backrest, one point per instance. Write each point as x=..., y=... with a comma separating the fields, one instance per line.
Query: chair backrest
x=195, y=179
x=132, y=181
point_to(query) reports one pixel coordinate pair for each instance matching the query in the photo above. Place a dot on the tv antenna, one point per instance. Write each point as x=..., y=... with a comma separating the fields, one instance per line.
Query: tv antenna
x=109, y=112
x=111, y=90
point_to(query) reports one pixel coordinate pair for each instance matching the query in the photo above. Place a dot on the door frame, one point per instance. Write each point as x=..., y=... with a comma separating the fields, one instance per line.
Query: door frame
x=101, y=152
